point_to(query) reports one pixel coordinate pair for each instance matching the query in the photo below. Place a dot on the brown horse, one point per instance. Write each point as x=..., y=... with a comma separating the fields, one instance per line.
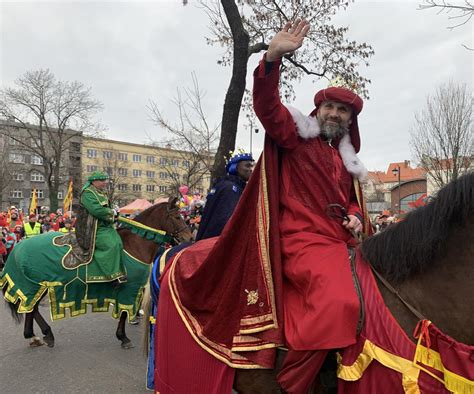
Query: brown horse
x=428, y=259
x=164, y=216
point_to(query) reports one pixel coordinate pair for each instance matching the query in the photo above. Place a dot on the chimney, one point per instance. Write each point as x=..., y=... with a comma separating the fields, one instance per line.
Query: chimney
x=407, y=163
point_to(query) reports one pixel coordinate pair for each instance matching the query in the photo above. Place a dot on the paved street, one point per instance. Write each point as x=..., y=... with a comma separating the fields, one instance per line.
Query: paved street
x=86, y=358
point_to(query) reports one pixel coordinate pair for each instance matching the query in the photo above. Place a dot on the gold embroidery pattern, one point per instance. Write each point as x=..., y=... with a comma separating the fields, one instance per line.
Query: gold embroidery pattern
x=252, y=296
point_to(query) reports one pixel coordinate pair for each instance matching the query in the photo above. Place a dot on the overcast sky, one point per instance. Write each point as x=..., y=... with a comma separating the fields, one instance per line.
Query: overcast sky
x=131, y=51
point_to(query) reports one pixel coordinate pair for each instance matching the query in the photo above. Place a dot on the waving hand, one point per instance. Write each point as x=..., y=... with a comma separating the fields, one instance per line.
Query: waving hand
x=289, y=39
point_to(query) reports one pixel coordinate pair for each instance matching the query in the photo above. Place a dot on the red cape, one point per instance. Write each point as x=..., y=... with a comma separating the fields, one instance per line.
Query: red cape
x=228, y=290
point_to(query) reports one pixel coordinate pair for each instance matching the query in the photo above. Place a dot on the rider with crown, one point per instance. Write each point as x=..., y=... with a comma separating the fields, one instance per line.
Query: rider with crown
x=225, y=194
x=288, y=248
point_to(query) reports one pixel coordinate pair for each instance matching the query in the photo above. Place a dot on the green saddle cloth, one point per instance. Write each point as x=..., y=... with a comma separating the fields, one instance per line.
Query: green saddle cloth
x=34, y=267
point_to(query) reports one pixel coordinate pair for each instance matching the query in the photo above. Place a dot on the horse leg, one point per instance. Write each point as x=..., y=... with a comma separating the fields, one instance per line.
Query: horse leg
x=45, y=328
x=120, y=333
x=28, y=331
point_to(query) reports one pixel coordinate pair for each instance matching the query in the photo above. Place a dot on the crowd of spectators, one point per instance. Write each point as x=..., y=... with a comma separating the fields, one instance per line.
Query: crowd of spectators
x=16, y=226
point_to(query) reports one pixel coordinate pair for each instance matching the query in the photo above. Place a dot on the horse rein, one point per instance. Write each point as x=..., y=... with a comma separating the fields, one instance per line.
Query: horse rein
x=337, y=211
x=174, y=234
x=395, y=292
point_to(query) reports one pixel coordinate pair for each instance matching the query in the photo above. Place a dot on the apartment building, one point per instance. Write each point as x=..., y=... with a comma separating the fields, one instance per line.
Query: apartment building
x=22, y=170
x=144, y=171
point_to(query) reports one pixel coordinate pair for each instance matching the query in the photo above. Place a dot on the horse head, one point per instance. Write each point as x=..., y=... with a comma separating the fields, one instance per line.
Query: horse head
x=165, y=216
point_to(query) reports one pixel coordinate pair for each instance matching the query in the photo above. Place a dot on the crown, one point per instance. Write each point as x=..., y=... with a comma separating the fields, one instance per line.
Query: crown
x=236, y=154
x=340, y=82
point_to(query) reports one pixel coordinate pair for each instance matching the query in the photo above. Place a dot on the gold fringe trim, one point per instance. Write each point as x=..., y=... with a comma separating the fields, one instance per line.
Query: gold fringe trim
x=452, y=381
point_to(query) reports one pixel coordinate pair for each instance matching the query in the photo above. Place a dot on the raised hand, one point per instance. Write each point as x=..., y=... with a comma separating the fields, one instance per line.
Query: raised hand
x=288, y=40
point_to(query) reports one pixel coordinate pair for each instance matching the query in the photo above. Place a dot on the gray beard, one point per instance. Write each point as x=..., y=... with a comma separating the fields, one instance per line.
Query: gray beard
x=332, y=132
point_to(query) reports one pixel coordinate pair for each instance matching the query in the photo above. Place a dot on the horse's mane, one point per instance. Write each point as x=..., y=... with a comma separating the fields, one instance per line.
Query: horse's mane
x=408, y=247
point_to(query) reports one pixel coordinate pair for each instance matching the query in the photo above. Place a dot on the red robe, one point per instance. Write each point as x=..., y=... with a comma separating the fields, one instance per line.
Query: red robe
x=320, y=304
x=229, y=291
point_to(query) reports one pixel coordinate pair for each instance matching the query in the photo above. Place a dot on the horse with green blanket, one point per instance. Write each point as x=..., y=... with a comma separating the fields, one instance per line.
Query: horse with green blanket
x=36, y=267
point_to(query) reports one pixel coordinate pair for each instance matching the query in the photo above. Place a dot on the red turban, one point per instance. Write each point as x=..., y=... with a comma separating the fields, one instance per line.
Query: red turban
x=32, y=215
x=345, y=96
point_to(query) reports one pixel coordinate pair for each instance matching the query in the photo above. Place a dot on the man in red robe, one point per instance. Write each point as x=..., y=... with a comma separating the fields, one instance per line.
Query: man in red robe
x=318, y=162
x=290, y=271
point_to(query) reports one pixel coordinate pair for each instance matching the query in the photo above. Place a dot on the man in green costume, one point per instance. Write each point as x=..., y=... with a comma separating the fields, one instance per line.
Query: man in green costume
x=106, y=264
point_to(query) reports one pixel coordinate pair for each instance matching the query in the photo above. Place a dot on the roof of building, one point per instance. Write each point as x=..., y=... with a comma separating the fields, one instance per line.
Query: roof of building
x=407, y=173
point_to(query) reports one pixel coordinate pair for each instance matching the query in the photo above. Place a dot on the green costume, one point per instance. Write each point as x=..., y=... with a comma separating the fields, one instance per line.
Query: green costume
x=106, y=263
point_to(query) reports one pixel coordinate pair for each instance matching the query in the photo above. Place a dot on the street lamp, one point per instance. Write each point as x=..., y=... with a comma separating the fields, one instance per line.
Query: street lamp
x=256, y=131
x=396, y=171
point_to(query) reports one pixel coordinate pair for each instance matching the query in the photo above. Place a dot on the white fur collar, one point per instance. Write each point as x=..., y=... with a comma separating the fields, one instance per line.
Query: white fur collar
x=308, y=127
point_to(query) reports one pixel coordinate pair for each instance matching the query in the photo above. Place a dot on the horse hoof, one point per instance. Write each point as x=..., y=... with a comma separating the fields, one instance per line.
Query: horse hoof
x=49, y=341
x=36, y=342
x=128, y=345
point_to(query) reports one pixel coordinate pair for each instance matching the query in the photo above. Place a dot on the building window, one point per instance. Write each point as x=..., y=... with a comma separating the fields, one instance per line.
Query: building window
x=60, y=195
x=15, y=142
x=18, y=176
x=91, y=168
x=186, y=163
x=40, y=193
x=37, y=160
x=163, y=161
x=107, y=154
x=162, y=189
x=137, y=173
x=123, y=156
x=37, y=177
x=163, y=175
x=136, y=188
x=150, y=174
x=175, y=162
x=137, y=158
x=91, y=153
x=16, y=158
x=150, y=159
x=35, y=143
x=123, y=187
x=123, y=171
x=108, y=171
x=16, y=194
x=150, y=188
x=75, y=147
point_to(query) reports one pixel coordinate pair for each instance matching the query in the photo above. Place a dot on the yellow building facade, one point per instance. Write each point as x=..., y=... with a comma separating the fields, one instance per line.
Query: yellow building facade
x=144, y=171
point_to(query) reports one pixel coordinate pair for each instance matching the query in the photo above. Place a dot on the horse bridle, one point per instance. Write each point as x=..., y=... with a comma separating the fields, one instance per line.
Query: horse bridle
x=175, y=233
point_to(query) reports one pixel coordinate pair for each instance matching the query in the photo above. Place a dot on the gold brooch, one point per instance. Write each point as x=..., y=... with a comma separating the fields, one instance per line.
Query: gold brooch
x=252, y=296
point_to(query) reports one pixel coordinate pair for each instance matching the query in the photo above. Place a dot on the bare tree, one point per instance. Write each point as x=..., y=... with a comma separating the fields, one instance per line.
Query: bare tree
x=192, y=139
x=50, y=113
x=459, y=13
x=247, y=30
x=441, y=138
x=6, y=173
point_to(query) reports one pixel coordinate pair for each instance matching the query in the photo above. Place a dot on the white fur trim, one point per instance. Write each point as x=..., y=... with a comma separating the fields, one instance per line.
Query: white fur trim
x=308, y=127
x=350, y=159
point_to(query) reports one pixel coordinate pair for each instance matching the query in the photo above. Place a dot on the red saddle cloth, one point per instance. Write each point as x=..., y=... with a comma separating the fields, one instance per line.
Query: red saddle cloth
x=385, y=360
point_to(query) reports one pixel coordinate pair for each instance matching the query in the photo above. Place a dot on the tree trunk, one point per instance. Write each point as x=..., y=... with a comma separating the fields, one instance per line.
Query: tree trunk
x=236, y=90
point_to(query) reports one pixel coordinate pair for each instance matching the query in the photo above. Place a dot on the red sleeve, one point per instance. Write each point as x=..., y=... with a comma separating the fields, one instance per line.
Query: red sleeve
x=273, y=115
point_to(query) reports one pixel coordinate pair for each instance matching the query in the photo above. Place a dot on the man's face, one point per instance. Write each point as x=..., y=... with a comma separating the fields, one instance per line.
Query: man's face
x=244, y=169
x=334, y=119
x=32, y=219
x=14, y=215
x=101, y=185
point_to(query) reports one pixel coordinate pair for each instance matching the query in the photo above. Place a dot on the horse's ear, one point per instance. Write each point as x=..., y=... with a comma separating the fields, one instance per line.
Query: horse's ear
x=173, y=203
